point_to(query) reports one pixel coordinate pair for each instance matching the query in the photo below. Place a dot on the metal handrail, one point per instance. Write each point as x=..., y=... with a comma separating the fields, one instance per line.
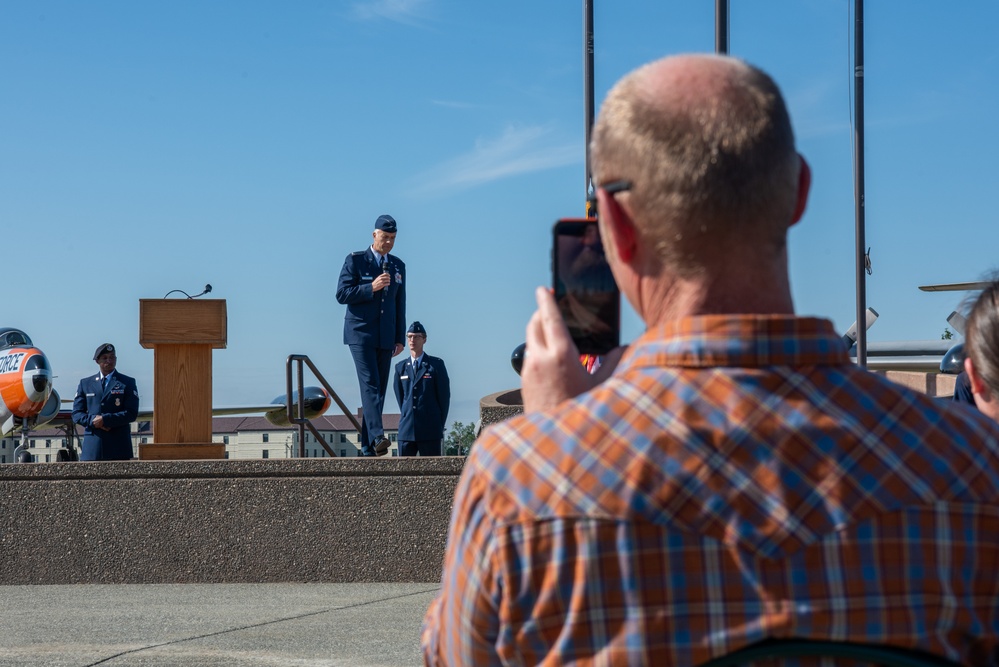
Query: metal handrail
x=299, y=360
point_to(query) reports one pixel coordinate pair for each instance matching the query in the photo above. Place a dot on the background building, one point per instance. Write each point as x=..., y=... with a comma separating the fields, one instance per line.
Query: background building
x=243, y=437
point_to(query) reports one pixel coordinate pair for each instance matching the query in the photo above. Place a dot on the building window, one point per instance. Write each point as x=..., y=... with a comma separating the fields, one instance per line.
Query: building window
x=393, y=436
x=267, y=438
x=225, y=440
x=143, y=440
x=266, y=454
x=343, y=452
x=48, y=443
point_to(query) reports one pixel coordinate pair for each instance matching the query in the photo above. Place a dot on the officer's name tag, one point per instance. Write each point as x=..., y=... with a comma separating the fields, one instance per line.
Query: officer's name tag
x=403, y=377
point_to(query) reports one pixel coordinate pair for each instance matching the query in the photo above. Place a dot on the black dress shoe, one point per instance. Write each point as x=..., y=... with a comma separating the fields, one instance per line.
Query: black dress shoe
x=382, y=446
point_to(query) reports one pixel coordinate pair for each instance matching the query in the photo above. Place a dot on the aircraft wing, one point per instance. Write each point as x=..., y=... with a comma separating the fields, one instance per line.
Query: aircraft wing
x=316, y=402
x=955, y=287
x=147, y=413
x=914, y=364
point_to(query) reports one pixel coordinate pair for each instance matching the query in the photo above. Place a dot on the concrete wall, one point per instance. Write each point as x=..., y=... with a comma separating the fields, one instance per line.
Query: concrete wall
x=226, y=521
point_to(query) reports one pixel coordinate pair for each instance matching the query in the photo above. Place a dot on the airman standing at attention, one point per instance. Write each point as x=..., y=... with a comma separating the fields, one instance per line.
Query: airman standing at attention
x=423, y=390
x=373, y=287
x=105, y=405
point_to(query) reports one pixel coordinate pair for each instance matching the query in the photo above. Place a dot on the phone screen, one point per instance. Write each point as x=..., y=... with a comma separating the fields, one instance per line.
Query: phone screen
x=584, y=287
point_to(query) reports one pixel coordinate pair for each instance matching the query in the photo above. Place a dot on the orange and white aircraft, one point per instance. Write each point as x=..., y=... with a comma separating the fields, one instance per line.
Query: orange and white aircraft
x=29, y=401
x=25, y=385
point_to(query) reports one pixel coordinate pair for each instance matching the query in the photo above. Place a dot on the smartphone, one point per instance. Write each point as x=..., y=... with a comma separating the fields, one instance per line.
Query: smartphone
x=584, y=286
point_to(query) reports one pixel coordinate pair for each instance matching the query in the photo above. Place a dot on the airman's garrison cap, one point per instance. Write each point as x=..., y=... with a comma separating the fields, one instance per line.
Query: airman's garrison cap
x=386, y=223
x=417, y=328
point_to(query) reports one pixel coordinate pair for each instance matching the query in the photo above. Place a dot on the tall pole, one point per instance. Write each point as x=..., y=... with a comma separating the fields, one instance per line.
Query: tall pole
x=858, y=181
x=588, y=93
x=721, y=26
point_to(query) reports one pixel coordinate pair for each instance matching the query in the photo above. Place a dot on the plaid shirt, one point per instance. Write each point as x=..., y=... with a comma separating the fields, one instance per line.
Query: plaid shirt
x=737, y=478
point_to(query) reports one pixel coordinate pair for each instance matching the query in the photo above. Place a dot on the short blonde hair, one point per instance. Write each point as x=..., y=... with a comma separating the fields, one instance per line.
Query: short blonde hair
x=707, y=144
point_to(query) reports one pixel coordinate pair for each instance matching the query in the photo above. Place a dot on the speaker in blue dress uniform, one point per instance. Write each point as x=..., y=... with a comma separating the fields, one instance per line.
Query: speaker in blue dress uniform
x=105, y=405
x=372, y=285
x=423, y=390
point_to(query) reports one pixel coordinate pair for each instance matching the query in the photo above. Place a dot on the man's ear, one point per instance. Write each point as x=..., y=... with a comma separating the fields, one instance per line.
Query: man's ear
x=977, y=384
x=804, y=185
x=618, y=223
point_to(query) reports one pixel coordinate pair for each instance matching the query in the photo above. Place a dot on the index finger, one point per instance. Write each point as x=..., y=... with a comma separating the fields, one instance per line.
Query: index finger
x=555, y=330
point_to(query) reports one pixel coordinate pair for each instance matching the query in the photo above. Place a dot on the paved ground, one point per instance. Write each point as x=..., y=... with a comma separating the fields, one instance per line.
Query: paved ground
x=260, y=625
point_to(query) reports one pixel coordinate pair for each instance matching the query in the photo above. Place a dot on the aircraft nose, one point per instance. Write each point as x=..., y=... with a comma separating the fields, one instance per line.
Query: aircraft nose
x=37, y=378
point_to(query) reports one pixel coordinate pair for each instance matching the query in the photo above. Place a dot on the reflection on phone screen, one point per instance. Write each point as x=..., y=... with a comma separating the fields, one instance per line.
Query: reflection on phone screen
x=584, y=286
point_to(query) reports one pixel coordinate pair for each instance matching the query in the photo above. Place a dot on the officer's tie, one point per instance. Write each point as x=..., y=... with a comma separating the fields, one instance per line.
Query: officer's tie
x=412, y=375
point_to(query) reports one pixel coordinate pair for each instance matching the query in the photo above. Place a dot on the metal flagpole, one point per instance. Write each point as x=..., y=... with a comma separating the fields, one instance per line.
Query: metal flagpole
x=858, y=180
x=588, y=93
x=721, y=26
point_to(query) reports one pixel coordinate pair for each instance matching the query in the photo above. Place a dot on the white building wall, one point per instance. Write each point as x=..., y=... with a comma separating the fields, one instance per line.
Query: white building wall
x=278, y=443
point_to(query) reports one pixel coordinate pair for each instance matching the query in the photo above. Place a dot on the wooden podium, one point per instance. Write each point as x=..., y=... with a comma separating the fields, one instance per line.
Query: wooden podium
x=182, y=334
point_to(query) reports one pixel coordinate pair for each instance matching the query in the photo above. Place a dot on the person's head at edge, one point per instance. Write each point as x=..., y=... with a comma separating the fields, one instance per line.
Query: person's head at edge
x=715, y=182
x=981, y=343
x=383, y=236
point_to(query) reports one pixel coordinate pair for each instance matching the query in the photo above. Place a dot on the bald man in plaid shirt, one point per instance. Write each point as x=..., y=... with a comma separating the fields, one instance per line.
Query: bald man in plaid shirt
x=734, y=476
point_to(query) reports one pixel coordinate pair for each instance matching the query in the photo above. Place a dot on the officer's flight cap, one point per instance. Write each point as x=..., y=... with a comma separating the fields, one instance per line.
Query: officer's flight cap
x=105, y=347
x=386, y=223
x=417, y=328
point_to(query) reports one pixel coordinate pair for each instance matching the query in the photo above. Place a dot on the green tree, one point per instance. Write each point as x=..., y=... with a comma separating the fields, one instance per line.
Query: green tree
x=459, y=441
x=947, y=334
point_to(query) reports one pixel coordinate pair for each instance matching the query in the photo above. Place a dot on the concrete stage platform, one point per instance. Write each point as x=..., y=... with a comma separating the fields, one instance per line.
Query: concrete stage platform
x=226, y=521
x=199, y=625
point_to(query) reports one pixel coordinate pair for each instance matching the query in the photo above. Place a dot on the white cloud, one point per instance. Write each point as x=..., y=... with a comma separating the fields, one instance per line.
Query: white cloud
x=519, y=150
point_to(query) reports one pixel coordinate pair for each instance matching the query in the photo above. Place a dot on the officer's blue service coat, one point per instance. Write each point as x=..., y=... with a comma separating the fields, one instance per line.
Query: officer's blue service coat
x=424, y=400
x=373, y=318
x=119, y=404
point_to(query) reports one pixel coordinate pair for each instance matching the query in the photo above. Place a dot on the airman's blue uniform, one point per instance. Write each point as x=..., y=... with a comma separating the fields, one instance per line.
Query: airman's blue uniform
x=424, y=394
x=118, y=402
x=374, y=324
x=423, y=390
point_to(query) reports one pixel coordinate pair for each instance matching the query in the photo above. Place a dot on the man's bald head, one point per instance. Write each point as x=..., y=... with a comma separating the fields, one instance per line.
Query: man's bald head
x=707, y=144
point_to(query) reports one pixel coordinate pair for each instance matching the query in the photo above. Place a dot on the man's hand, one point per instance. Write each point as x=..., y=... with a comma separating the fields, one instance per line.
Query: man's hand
x=552, y=372
x=98, y=422
x=398, y=348
x=381, y=282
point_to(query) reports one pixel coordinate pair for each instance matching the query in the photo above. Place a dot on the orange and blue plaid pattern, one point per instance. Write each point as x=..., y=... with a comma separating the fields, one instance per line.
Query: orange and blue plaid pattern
x=736, y=478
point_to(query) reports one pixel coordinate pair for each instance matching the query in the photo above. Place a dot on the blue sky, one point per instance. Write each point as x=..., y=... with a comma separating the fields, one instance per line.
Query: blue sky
x=151, y=146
